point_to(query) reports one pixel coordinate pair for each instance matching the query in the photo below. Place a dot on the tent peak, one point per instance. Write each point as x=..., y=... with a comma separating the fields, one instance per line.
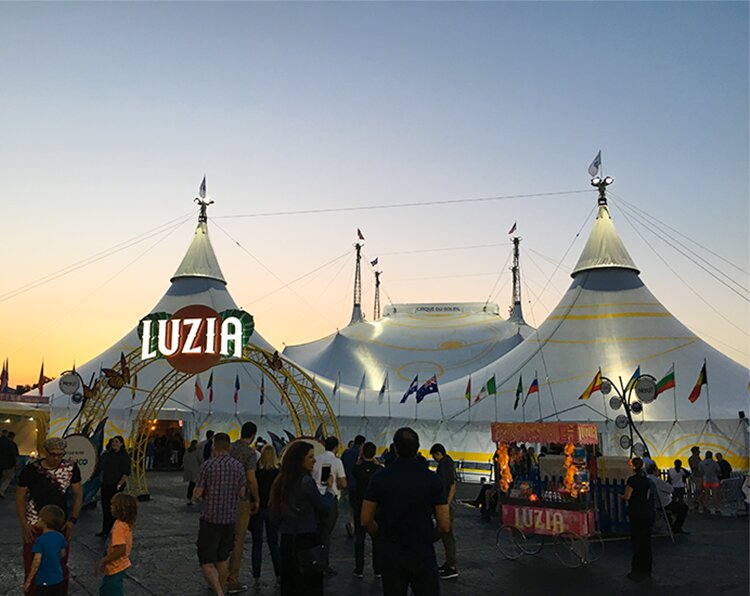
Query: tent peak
x=200, y=259
x=604, y=249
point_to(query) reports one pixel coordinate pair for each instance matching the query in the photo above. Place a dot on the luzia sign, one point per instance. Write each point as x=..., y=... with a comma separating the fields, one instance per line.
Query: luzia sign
x=195, y=337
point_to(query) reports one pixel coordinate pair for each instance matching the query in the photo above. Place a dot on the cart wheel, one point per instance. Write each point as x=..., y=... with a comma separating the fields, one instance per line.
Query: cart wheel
x=511, y=542
x=533, y=544
x=594, y=547
x=570, y=549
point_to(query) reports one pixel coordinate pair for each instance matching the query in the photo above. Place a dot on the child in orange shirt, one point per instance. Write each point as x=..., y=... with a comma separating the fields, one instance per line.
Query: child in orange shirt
x=113, y=565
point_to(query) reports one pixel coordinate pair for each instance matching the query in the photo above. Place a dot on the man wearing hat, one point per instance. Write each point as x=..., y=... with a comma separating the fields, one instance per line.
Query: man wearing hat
x=47, y=481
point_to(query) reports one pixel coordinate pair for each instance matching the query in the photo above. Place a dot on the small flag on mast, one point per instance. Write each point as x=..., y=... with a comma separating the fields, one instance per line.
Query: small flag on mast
x=202, y=191
x=4, y=377
x=374, y=261
x=210, y=388
x=702, y=380
x=533, y=388
x=666, y=382
x=595, y=385
x=633, y=379
x=383, y=389
x=41, y=380
x=198, y=388
x=513, y=229
x=336, y=385
x=262, y=389
x=596, y=164
x=360, y=235
x=467, y=395
x=429, y=386
x=236, y=386
x=134, y=387
x=412, y=388
x=519, y=391
x=361, y=388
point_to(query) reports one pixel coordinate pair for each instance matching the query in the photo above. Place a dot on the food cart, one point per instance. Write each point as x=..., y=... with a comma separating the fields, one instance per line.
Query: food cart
x=536, y=510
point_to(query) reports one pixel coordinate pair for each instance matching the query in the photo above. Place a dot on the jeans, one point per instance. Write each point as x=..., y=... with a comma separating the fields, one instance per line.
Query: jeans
x=402, y=570
x=190, y=489
x=359, y=544
x=327, y=526
x=257, y=523
x=449, y=542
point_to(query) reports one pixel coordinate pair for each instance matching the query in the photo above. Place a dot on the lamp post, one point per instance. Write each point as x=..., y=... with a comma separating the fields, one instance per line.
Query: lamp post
x=645, y=391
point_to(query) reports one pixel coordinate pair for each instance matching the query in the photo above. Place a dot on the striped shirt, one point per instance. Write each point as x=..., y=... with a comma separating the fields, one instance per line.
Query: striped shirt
x=221, y=478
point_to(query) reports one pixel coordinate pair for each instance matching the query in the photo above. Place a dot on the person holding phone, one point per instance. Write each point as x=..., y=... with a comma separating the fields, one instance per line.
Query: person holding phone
x=328, y=465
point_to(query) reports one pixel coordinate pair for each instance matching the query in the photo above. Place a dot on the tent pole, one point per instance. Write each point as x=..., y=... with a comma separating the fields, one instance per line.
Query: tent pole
x=708, y=393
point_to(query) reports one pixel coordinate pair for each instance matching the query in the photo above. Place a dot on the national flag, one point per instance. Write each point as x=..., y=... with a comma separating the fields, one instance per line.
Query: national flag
x=374, y=261
x=361, y=388
x=519, y=391
x=210, y=388
x=429, y=386
x=533, y=388
x=513, y=228
x=383, y=389
x=595, y=385
x=596, y=164
x=360, y=235
x=198, y=388
x=262, y=390
x=467, y=395
x=236, y=386
x=412, y=389
x=633, y=379
x=482, y=394
x=666, y=382
x=41, y=380
x=491, y=388
x=202, y=190
x=134, y=388
x=336, y=385
x=702, y=380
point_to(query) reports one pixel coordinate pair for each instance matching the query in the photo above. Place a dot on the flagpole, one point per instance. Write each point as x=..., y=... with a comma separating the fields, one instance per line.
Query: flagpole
x=364, y=402
x=440, y=401
x=708, y=393
x=674, y=393
x=388, y=390
x=495, y=404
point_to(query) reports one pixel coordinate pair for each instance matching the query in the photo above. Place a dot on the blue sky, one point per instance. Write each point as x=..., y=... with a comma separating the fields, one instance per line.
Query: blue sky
x=112, y=113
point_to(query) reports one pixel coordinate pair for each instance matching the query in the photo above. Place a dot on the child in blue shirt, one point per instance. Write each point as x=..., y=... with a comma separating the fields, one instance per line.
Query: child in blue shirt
x=49, y=549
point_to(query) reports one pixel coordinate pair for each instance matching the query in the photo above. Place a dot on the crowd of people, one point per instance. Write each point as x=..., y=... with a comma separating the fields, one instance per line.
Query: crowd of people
x=291, y=502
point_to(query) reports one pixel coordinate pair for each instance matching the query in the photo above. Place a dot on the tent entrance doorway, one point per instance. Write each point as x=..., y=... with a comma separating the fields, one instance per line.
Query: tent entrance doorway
x=166, y=444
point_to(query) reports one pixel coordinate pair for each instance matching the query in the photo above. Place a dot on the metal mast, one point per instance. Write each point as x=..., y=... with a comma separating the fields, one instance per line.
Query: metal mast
x=357, y=310
x=516, y=313
x=376, y=309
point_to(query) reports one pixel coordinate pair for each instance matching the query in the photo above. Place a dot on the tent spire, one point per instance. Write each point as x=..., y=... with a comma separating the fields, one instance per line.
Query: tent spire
x=516, y=313
x=357, y=309
x=376, y=309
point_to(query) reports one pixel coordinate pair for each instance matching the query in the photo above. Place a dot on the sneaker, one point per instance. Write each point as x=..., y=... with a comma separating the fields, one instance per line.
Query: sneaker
x=443, y=567
x=448, y=573
x=358, y=574
x=378, y=576
x=238, y=589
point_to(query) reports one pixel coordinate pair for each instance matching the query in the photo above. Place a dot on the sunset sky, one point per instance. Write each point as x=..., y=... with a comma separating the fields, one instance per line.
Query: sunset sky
x=113, y=112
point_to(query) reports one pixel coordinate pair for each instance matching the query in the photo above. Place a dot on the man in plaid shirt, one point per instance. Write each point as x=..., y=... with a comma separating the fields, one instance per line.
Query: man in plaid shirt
x=221, y=484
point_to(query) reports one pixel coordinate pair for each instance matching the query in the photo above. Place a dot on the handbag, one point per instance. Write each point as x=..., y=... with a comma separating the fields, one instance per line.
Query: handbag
x=311, y=561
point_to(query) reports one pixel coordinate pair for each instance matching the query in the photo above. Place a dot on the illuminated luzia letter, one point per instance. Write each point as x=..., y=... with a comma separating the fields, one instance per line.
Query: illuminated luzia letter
x=235, y=335
x=146, y=352
x=175, y=343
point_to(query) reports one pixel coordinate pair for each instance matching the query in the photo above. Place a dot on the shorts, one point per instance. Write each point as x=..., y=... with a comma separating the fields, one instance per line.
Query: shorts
x=49, y=590
x=112, y=585
x=215, y=542
x=711, y=484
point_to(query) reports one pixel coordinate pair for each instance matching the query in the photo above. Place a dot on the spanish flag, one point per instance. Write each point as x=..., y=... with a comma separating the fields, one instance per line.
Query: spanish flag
x=595, y=385
x=702, y=380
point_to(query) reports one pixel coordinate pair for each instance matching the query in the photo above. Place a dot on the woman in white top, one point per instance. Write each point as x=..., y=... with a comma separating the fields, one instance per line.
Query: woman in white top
x=677, y=477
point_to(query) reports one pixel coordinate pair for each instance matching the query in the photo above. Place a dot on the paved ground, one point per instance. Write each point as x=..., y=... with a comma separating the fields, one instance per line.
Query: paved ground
x=712, y=560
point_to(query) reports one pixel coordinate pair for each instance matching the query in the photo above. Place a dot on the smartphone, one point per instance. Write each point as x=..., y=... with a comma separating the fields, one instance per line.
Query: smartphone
x=325, y=472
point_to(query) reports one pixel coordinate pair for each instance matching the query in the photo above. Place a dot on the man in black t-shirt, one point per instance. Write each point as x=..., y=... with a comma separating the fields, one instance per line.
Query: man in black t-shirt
x=637, y=492
x=361, y=474
x=446, y=470
x=398, y=509
x=46, y=482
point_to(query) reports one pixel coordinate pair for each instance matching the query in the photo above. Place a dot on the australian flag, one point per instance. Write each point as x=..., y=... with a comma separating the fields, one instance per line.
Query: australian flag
x=412, y=389
x=429, y=386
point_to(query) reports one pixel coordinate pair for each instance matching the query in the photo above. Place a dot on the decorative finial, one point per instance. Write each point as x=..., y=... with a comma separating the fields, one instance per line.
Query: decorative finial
x=203, y=217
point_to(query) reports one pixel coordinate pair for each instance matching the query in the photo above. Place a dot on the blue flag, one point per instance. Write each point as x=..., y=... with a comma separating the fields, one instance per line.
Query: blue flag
x=429, y=386
x=412, y=389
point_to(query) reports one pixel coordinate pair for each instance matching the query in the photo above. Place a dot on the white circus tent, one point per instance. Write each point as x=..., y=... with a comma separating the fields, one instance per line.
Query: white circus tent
x=197, y=281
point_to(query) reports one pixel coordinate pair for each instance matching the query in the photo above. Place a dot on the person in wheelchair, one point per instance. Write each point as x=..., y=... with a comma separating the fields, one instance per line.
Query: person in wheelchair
x=663, y=490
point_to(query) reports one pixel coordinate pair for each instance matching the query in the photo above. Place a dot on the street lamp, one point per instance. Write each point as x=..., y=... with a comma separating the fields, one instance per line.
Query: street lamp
x=645, y=392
